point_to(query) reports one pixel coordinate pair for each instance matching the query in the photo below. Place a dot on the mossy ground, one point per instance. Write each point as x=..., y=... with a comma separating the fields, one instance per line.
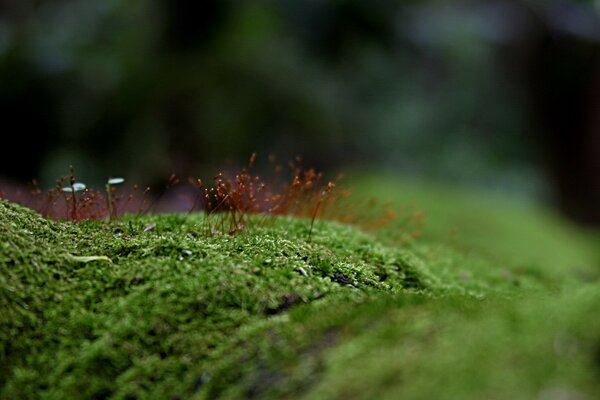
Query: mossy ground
x=495, y=301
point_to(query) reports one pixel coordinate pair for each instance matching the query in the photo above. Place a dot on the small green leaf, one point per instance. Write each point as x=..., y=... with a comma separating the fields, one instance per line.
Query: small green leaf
x=115, y=181
x=77, y=187
x=86, y=259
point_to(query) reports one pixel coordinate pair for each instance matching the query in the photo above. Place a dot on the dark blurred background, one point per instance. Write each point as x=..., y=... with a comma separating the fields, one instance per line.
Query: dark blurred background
x=501, y=95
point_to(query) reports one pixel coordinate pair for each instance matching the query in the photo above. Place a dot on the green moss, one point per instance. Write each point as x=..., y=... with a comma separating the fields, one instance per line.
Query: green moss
x=106, y=310
x=85, y=304
x=416, y=346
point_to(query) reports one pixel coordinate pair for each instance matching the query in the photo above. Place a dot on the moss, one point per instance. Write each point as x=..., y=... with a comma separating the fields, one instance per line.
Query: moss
x=107, y=310
x=73, y=322
x=416, y=346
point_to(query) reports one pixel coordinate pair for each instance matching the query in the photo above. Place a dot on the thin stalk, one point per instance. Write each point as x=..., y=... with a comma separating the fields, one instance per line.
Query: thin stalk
x=109, y=201
x=312, y=221
x=72, y=184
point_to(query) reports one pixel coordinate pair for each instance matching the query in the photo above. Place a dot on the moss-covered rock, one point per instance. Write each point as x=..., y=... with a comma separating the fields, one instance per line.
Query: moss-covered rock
x=112, y=310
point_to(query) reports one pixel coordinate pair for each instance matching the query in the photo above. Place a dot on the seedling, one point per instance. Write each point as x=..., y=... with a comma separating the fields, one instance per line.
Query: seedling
x=109, y=198
x=73, y=188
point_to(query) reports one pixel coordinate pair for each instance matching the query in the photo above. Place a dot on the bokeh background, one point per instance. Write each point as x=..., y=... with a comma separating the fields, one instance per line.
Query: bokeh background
x=498, y=95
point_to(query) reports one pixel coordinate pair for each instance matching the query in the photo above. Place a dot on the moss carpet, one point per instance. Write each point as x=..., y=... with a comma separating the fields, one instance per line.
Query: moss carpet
x=495, y=300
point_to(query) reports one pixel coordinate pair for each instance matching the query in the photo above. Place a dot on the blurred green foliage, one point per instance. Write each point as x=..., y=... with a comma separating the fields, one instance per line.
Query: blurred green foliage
x=148, y=87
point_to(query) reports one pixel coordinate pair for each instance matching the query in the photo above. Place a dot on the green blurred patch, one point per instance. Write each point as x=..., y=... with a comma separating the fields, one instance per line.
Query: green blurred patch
x=518, y=235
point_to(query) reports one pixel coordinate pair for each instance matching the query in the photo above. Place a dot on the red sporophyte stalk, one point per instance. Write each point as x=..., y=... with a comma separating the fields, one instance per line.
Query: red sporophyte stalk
x=328, y=188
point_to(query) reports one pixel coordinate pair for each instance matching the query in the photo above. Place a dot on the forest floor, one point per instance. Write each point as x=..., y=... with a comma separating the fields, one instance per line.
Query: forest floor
x=494, y=300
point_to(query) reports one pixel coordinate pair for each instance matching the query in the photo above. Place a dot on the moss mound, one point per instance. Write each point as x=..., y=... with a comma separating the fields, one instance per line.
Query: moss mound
x=112, y=310
x=87, y=304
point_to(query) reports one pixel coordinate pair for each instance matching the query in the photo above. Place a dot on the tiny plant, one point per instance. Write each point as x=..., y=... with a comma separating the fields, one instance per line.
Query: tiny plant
x=73, y=188
x=110, y=184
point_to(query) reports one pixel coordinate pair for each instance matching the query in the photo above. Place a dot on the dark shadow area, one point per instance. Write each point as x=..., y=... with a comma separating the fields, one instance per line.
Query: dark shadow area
x=501, y=95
